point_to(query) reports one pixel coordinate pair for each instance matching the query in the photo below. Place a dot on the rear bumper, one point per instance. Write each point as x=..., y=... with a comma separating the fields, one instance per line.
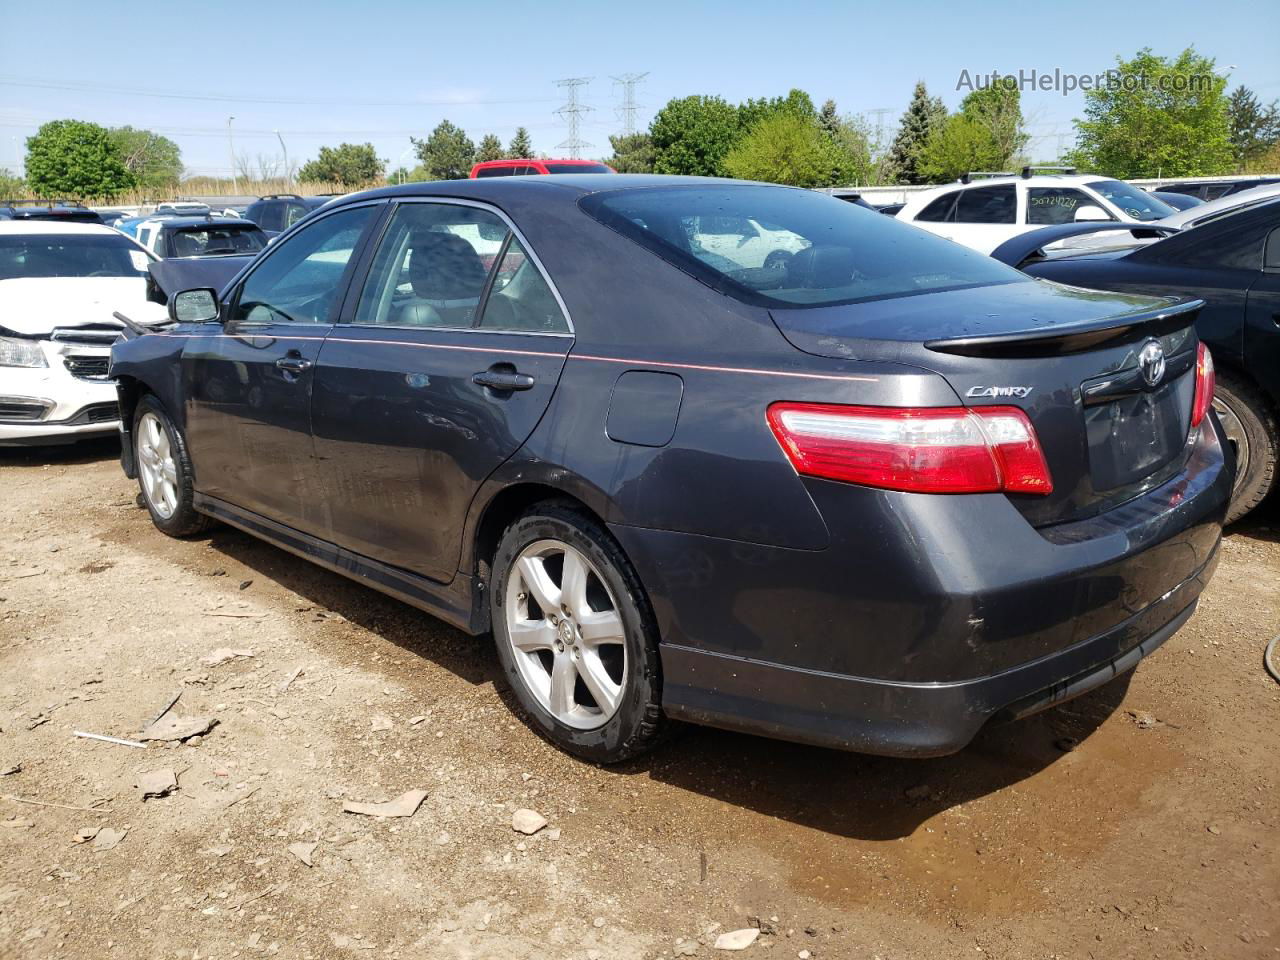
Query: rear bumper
x=906, y=719
x=927, y=615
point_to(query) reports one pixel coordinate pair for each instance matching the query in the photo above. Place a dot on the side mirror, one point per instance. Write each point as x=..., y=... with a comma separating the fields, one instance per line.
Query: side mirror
x=1090, y=213
x=194, y=306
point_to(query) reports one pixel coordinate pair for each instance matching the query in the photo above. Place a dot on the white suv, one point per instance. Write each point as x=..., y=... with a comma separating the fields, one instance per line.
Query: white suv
x=984, y=213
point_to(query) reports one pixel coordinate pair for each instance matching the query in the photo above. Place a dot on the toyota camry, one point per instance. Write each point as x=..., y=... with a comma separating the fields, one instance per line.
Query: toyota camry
x=729, y=453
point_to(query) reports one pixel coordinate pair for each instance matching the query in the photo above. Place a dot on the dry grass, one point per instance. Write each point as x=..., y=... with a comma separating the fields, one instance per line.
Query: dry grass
x=203, y=187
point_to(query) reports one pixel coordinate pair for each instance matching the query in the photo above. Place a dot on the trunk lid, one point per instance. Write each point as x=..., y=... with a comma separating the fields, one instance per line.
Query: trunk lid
x=1071, y=359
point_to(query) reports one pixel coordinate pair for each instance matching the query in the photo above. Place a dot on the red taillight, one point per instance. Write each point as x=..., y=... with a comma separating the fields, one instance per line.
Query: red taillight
x=1205, y=384
x=925, y=450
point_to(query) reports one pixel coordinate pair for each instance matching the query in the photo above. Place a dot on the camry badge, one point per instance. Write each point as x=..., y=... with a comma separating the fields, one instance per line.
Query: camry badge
x=1019, y=392
x=1151, y=362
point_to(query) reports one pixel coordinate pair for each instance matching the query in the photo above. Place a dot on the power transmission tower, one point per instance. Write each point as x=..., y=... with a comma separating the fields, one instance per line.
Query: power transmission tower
x=572, y=112
x=627, y=112
x=879, y=113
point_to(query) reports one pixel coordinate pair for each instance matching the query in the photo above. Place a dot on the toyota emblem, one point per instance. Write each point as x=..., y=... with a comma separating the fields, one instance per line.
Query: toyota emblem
x=1151, y=362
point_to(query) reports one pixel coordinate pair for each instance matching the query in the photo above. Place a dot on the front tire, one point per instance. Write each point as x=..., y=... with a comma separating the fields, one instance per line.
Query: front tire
x=164, y=471
x=1251, y=428
x=575, y=636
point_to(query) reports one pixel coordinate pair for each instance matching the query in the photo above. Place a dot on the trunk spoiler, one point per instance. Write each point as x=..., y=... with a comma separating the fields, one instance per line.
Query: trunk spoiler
x=1075, y=337
x=1030, y=246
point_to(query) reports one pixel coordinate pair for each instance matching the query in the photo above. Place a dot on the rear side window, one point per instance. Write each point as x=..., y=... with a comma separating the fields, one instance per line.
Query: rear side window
x=1053, y=205
x=576, y=168
x=778, y=246
x=450, y=266
x=484, y=172
x=939, y=211
x=987, y=205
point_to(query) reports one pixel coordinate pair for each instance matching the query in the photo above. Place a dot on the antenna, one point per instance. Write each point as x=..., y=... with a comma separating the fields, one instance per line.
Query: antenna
x=627, y=112
x=571, y=111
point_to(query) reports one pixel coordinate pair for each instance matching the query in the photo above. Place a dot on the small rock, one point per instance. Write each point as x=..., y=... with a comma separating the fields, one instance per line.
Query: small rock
x=598, y=922
x=553, y=833
x=108, y=839
x=1142, y=719
x=246, y=584
x=442, y=840
x=527, y=822
x=85, y=834
x=737, y=939
x=688, y=948
x=406, y=805
x=303, y=851
x=157, y=783
x=223, y=655
x=804, y=955
x=173, y=728
x=381, y=723
x=764, y=926
x=414, y=721
x=1214, y=829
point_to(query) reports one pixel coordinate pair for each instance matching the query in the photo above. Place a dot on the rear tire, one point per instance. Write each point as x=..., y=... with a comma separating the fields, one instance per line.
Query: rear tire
x=164, y=471
x=575, y=636
x=1251, y=427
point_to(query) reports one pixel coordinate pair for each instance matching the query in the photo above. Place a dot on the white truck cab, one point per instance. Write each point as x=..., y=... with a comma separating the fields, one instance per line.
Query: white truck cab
x=983, y=210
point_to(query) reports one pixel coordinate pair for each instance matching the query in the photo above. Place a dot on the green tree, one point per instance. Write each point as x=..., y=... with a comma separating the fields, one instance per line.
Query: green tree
x=448, y=153
x=691, y=136
x=75, y=159
x=154, y=161
x=490, y=148
x=987, y=134
x=521, y=147
x=997, y=109
x=11, y=185
x=797, y=103
x=348, y=164
x=1253, y=128
x=829, y=118
x=785, y=148
x=923, y=115
x=1166, y=117
x=853, y=162
x=632, y=154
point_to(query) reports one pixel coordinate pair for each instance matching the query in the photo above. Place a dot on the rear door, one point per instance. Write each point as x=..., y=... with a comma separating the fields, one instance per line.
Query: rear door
x=249, y=388
x=437, y=372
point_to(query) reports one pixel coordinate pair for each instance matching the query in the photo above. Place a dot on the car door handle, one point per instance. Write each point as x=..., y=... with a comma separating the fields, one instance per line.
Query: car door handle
x=503, y=377
x=293, y=363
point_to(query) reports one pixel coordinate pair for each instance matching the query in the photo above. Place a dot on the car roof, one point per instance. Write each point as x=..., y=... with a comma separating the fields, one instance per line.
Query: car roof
x=180, y=223
x=54, y=227
x=493, y=189
x=1195, y=214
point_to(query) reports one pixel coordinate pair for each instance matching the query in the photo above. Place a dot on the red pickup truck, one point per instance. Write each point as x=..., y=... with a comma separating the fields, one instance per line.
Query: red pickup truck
x=524, y=167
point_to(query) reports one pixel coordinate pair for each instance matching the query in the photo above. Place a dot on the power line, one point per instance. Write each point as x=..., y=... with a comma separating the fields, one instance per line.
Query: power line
x=627, y=112
x=99, y=88
x=572, y=112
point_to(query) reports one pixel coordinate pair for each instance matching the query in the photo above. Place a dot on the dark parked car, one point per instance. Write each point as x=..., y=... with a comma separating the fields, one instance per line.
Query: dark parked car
x=65, y=211
x=1213, y=189
x=278, y=212
x=1232, y=263
x=870, y=496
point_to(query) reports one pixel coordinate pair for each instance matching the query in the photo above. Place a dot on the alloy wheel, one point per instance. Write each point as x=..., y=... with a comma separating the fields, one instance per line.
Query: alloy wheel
x=566, y=634
x=1237, y=436
x=156, y=466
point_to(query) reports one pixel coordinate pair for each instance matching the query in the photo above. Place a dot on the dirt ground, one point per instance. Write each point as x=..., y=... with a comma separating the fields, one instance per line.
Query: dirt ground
x=1158, y=835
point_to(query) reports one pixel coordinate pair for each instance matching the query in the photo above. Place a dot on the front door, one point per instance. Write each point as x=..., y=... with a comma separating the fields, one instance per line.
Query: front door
x=249, y=388
x=438, y=374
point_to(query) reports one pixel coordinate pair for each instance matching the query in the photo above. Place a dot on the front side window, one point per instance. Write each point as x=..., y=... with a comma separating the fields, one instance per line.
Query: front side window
x=448, y=266
x=576, y=168
x=987, y=205
x=1054, y=205
x=294, y=213
x=300, y=280
x=485, y=172
x=1136, y=203
x=813, y=250
x=69, y=255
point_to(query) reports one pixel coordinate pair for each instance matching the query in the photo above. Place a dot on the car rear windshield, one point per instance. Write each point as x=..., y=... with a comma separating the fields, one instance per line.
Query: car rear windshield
x=576, y=168
x=217, y=241
x=48, y=255
x=783, y=247
x=1136, y=203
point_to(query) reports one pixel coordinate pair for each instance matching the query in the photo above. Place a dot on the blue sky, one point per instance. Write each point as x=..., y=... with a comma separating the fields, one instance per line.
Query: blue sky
x=379, y=72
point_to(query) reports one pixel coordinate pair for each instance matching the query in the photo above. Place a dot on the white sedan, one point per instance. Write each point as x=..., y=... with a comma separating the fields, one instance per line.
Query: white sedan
x=59, y=285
